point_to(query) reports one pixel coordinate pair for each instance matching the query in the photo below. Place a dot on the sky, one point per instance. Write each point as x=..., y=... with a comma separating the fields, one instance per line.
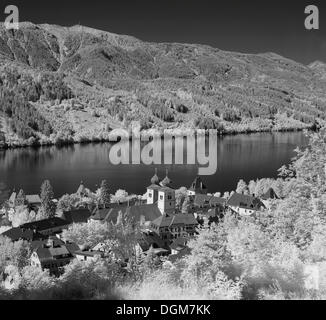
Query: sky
x=249, y=26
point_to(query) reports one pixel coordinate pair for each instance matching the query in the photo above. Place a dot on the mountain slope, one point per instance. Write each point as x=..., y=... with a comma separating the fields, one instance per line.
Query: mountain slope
x=116, y=79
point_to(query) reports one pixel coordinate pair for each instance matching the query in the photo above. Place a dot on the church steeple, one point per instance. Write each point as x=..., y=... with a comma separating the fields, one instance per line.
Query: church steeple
x=166, y=181
x=155, y=179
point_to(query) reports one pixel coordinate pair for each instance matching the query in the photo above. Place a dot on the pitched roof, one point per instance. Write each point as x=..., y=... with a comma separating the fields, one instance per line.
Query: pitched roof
x=245, y=202
x=170, y=220
x=179, y=243
x=203, y=199
x=33, y=198
x=198, y=186
x=149, y=239
x=45, y=224
x=77, y=216
x=100, y=214
x=49, y=253
x=21, y=233
x=13, y=197
x=149, y=211
x=42, y=242
x=269, y=194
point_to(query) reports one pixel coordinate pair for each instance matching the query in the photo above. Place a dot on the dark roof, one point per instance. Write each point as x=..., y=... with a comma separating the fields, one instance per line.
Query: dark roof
x=270, y=194
x=149, y=211
x=49, y=253
x=45, y=224
x=198, y=186
x=201, y=200
x=149, y=239
x=77, y=216
x=170, y=220
x=245, y=202
x=179, y=243
x=20, y=233
x=100, y=214
x=40, y=243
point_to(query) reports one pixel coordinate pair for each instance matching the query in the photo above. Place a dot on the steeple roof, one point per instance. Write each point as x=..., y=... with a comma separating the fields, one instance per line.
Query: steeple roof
x=198, y=186
x=166, y=181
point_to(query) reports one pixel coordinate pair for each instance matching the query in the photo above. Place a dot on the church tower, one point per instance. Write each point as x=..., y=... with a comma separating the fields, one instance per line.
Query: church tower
x=166, y=197
x=152, y=190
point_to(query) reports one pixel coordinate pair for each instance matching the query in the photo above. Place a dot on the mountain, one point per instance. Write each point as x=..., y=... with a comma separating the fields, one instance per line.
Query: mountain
x=78, y=83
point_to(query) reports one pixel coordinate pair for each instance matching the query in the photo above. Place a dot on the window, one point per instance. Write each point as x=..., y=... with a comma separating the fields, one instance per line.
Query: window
x=161, y=197
x=150, y=195
x=169, y=197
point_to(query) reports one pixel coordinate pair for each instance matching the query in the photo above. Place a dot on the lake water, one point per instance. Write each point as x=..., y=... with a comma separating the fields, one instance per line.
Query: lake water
x=238, y=157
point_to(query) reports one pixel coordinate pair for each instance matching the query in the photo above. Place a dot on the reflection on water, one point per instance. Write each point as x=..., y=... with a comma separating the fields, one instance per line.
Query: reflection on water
x=238, y=157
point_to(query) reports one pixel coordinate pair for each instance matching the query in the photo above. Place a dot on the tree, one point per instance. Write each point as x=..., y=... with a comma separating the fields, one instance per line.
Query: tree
x=186, y=206
x=180, y=196
x=242, y=187
x=105, y=196
x=88, y=234
x=4, y=193
x=13, y=253
x=21, y=215
x=47, y=204
x=120, y=196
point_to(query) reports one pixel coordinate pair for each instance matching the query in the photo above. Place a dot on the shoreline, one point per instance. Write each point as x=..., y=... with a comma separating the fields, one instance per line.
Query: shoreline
x=38, y=145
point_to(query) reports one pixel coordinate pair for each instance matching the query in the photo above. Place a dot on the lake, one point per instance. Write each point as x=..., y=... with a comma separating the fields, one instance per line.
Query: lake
x=247, y=156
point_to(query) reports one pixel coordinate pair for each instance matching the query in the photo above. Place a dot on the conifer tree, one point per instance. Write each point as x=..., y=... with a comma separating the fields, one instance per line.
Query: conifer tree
x=105, y=193
x=47, y=209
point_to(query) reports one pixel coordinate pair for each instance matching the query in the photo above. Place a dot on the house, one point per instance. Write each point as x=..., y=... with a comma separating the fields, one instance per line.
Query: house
x=33, y=200
x=204, y=201
x=51, y=256
x=245, y=205
x=197, y=187
x=77, y=216
x=88, y=255
x=47, y=227
x=170, y=227
x=150, y=240
x=179, y=245
x=21, y=233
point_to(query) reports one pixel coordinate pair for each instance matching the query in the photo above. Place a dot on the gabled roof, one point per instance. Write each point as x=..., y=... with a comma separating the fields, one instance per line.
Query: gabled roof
x=149, y=239
x=20, y=233
x=51, y=253
x=198, y=186
x=42, y=242
x=149, y=211
x=45, y=224
x=13, y=197
x=101, y=213
x=179, y=243
x=171, y=220
x=203, y=199
x=77, y=216
x=33, y=198
x=270, y=194
x=245, y=202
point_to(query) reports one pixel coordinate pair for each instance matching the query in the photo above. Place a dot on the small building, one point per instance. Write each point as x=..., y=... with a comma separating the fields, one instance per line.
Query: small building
x=179, y=245
x=88, y=255
x=32, y=200
x=245, y=205
x=151, y=240
x=51, y=256
x=170, y=227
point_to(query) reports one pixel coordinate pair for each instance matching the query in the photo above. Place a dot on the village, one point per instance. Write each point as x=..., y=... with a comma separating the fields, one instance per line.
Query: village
x=167, y=217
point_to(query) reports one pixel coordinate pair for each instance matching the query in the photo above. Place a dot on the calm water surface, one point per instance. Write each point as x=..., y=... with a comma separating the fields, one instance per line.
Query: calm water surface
x=239, y=157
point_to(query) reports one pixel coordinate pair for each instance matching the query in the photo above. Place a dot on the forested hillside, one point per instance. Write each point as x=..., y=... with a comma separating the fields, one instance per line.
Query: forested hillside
x=63, y=84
